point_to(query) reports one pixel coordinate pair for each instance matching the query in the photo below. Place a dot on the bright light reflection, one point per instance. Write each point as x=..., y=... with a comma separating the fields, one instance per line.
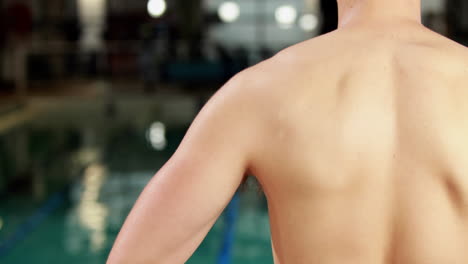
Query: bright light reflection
x=156, y=8
x=308, y=22
x=157, y=135
x=1, y=223
x=93, y=214
x=229, y=11
x=286, y=15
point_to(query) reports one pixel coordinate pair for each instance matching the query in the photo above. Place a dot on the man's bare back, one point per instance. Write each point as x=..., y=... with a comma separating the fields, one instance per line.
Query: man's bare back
x=366, y=160
x=359, y=139
x=364, y=157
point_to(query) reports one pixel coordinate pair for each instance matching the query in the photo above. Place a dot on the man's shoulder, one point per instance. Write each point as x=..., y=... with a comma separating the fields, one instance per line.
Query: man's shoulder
x=447, y=43
x=279, y=75
x=442, y=47
x=293, y=59
x=313, y=49
x=448, y=56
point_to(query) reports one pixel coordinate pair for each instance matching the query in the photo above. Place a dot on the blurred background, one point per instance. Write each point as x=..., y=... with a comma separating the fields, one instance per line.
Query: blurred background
x=95, y=95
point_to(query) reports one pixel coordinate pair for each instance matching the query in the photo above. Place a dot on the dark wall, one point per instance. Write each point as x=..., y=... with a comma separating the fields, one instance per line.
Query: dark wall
x=457, y=19
x=329, y=9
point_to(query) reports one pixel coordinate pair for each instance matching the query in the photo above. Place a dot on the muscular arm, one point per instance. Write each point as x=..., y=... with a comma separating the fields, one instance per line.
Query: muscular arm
x=184, y=199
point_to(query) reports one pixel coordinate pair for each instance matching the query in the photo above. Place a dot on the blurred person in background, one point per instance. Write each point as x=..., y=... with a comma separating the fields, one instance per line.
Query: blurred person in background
x=147, y=58
x=2, y=45
x=357, y=137
x=18, y=24
x=92, y=25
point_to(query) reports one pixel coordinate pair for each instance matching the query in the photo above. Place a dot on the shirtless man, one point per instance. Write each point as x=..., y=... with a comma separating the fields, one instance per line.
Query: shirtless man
x=359, y=139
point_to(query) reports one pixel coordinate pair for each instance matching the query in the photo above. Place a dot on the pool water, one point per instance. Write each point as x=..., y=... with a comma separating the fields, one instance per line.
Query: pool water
x=84, y=176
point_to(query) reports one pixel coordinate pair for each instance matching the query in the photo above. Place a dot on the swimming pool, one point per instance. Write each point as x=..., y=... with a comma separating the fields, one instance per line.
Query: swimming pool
x=86, y=164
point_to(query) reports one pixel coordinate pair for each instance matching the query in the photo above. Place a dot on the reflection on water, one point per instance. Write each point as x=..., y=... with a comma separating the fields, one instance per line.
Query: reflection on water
x=157, y=135
x=86, y=156
x=89, y=214
x=92, y=214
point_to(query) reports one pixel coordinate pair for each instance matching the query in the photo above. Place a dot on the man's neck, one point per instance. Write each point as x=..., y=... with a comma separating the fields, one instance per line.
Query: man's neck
x=374, y=11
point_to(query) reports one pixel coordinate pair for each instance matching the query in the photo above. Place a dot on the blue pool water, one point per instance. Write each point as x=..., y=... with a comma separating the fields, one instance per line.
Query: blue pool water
x=68, y=189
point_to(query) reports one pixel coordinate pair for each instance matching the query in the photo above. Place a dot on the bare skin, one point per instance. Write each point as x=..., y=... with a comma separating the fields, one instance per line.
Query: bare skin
x=359, y=139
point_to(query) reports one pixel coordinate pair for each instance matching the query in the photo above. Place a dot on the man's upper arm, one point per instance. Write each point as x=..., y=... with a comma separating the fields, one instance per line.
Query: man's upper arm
x=184, y=199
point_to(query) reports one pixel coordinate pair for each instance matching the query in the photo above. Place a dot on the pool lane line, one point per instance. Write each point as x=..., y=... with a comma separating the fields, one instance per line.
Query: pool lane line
x=231, y=215
x=32, y=223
